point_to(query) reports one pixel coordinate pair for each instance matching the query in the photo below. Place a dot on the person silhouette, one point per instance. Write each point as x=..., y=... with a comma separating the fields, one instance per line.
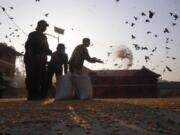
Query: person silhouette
x=79, y=55
x=58, y=62
x=35, y=59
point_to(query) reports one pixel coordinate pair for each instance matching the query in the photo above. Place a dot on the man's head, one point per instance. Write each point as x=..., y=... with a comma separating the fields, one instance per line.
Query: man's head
x=86, y=42
x=42, y=25
x=61, y=47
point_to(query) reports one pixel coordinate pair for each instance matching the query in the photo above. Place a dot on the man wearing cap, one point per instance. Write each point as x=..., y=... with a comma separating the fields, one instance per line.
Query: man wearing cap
x=58, y=62
x=80, y=54
x=35, y=59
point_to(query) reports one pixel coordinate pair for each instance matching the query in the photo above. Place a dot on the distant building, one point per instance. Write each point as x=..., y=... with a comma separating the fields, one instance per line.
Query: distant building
x=125, y=83
x=7, y=64
x=169, y=89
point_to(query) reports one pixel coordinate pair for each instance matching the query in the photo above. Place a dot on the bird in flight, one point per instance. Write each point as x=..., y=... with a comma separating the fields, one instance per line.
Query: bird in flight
x=133, y=37
x=170, y=70
x=151, y=14
x=143, y=14
x=166, y=30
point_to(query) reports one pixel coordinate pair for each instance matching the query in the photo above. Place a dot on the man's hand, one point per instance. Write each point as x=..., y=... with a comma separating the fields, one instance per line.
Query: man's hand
x=97, y=60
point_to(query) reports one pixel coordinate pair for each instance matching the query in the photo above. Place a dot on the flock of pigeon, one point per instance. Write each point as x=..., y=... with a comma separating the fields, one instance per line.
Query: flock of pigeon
x=14, y=32
x=150, y=16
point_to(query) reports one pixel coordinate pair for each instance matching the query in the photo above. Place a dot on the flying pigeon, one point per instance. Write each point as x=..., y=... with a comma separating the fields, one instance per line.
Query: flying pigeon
x=132, y=24
x=153, y=50
x=133, y=37
x=143, y=14
x=176, y=17
x=173, y=58
x=136, y=46
x=170, y=70
x=46, y=15
x=109, y=53
x=166, y=30
x=11, y=8
x=147, y=58
x=173, y=24
x=3, y=8
x=167, y=48
x=151, y=14
x=147, y=20
x=171, y=14
x=144, y=48
x=135, y=18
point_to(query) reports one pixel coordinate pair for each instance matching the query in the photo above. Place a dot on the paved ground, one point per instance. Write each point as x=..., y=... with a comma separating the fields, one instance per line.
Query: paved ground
x=93, y=117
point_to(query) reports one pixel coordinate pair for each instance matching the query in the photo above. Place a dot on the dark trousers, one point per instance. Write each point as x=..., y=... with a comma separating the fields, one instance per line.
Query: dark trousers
x=35, y=80
x=51, y=70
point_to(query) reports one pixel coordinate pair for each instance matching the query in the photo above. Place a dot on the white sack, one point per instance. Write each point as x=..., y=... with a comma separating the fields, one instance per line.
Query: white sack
x=83, y=86
x=64, y=89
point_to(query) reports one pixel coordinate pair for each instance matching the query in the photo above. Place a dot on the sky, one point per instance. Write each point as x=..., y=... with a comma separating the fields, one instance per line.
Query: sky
x=108, y=23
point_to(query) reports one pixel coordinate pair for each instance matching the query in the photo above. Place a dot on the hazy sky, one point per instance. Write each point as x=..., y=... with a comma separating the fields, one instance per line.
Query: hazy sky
x=108, y=24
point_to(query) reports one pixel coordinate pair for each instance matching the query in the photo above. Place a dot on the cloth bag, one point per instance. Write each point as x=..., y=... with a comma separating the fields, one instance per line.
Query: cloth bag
x=64, y=88
x=83, y=86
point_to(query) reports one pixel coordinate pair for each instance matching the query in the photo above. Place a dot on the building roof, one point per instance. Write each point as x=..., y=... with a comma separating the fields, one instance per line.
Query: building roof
x=141, y=72
x=8, y=49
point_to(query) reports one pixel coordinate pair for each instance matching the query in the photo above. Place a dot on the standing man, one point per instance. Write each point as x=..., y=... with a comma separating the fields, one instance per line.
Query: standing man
x=80, y=54
x=35, y=59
